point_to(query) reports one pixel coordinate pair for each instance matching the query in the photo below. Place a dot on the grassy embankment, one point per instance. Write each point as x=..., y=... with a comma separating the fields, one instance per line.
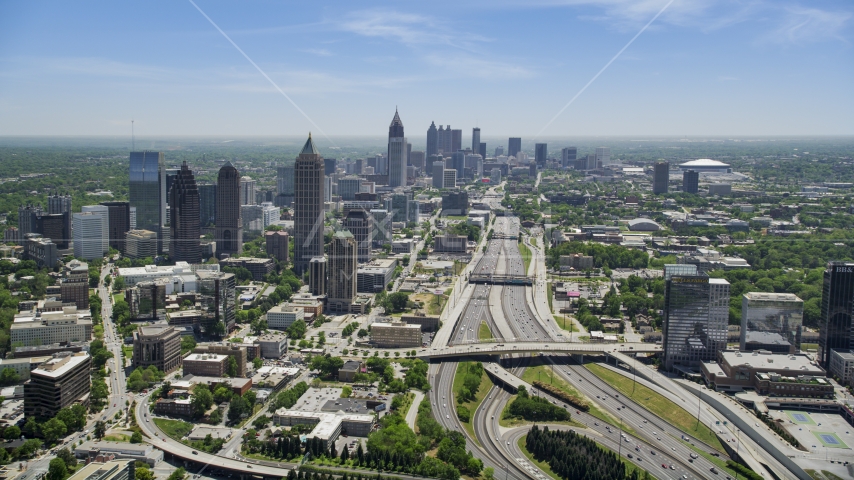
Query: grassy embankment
x=526, y=255
x=658, y=405
x=472, y=406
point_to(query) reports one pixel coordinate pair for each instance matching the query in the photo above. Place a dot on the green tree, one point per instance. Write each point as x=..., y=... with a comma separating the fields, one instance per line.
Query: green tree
x=178, y=474
x=12, y=432
x=222, y=394
x=136, y=437
x=201, y=401
x=297, y=329
x=53, y=429
x=231, y=369
x=29, y=448
x=257, y=363
x=67, y=457
x=144, y=474
x=9, y=376
x=100, y=429
x=57, y=470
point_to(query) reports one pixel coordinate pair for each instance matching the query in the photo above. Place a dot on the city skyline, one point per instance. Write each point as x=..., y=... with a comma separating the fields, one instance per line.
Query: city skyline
x=709, y=68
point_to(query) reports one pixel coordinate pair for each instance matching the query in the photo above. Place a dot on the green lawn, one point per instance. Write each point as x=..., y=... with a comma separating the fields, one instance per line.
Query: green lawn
x=564, y=321
x=549, y=296
x=526, y=255
x=658, y=405
x=823, y=475
x=485, y=385
x=543, y=373
x=484, y=333
x=809, y=346
x=176, y=429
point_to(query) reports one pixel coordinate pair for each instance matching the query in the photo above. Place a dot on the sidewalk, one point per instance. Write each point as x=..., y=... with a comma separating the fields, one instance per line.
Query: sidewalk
x=413, y=409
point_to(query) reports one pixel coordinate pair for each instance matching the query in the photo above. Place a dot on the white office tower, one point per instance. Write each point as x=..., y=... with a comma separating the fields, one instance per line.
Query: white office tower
x=104, y=212
x=327, y=191
x=603, y=156
x=269, y=213
x=397, y=153
x=439, y=174
x=90, y=235
x=247, y=190
x=132, y=220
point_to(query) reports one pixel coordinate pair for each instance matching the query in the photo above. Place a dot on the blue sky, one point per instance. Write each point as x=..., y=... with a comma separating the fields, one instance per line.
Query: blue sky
x=703, y=67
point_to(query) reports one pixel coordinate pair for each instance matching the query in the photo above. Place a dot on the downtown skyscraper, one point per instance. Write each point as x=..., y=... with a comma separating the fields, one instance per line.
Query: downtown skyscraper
x=308, y=205
x=475, y=140
x=397, y=153
x=432, y=140
x=836, y=326
x=229, y=224
x=147, y=190
x=184, y=222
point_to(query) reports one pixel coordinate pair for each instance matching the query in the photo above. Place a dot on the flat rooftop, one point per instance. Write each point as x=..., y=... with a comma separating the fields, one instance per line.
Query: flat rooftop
x=56, y=367
x=394, y=325
x=776, y=297
x=761, y=360
x=205, y=357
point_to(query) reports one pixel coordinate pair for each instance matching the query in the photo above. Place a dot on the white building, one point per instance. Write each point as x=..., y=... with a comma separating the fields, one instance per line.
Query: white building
x=135, y=275
x=603, y=155
x=51, y=327
x=283, y=316
x=91, y=234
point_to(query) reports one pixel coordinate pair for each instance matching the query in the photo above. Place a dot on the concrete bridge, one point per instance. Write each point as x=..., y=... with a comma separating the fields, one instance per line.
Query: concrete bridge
x=491, y=279
x=541, y=348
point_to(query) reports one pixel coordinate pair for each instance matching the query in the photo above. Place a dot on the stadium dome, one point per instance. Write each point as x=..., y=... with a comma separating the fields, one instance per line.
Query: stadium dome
x=706, y=165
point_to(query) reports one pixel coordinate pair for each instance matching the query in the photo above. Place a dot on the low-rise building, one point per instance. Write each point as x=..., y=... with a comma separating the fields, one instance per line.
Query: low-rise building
x=258, y=267
x=21, y=366
x=576, y=262
x=205, y=364
x=140, y=452
x=428, y=323
x=348, y=372
x=273, y=345
x=102, y=468
x=778, y=375
x=274, y=377
x=69, y=325
x=842, y=366
x=229, y=350
x=327, y=426
x=179, y=407
x=395, y=335
x=56, y=384
x=373, y=277
x=450, y=243
x=281, y=317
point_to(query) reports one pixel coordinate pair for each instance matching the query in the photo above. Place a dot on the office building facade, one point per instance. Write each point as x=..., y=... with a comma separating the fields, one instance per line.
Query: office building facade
x=660, y=177
x=361, y=225
x=837, y=309
x=398, y=153
x=475, y=140
x=90, y=235
x=184, y=222
x=514, y=146
x=58, y=383
x=118, y=222
x=341, y=286
x=309, y=212
x=277, y=245
x=157, y=345
x=541, y=153
x=771, y=321
x=432, y=140
x=691, y=182
x=317, y=276
x=147, y=190
x=229, y=223
x=696, y=315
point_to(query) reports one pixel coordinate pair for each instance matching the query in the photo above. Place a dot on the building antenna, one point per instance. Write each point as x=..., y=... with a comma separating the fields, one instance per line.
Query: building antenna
x=132, y=138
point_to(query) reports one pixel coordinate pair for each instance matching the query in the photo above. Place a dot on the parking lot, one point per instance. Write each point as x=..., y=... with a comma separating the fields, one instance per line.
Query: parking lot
x=826, y=434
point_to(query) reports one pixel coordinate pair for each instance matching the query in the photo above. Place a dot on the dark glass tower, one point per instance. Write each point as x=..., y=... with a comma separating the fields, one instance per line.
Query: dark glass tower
x=514, y=146
x=185, y=231
x=308, y=206
x=119, y=223
x=837, y=308
x=207, y=204
x=229, y=225
x=690, y=182
x=660, y=177
x=147, y=190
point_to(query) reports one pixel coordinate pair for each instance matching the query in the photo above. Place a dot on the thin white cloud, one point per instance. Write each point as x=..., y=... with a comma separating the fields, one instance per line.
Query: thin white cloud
x=466, y=65
x=807, y=25
x=406, y=28
x=318, y=51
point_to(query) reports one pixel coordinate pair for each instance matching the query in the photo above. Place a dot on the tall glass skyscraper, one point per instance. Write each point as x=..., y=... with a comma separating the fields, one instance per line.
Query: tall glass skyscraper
x=185, y=230
x=147, y=190
x=771, y=321
x=308, y=206
x=696, y=314
x=837, y=310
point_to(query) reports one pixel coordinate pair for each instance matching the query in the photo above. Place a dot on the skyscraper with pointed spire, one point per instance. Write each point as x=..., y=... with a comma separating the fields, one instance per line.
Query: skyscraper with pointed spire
x=308, y=206
x=397, y=153
x=229, y=224
x=184, y=221
x=432, y=140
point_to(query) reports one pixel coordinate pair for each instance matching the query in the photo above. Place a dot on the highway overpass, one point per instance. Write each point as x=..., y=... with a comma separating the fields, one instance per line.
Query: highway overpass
x=492, y=279
x=551, y=348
